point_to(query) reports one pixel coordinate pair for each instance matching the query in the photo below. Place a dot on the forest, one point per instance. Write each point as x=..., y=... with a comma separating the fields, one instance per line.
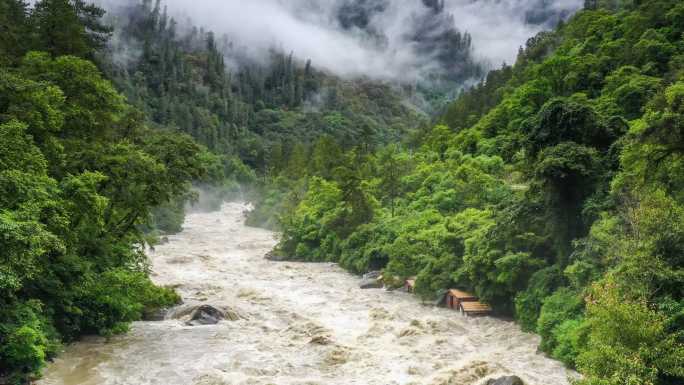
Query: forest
x=553, y=188
x=80, y=173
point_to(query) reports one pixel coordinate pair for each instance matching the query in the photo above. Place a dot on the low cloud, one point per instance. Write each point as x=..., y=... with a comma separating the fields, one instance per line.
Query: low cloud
x=378, y=39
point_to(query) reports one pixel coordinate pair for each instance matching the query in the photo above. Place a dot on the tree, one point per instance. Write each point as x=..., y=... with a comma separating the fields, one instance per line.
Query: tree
x=325, y=157
x=565, y=175
x=357, y=207
x=392, y=166
x=90, y=15
x=629, y=343
x=297, y=162
x=14, y=30
x=92, y=105
x=663, y=126
x=562, y=120
x=59, y=30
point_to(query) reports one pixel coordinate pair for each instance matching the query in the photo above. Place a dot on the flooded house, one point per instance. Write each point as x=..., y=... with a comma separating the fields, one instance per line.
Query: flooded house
x=475, y=308
x=466, y=303
x=455, y=297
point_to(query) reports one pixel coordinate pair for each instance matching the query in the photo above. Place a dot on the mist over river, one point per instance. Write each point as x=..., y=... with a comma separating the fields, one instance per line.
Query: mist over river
x=297, y=323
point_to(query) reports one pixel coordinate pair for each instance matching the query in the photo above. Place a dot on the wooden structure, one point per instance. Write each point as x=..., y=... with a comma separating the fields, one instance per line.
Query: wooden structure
x=475, y=308
x=410, y=284
x=466, y=303
x=455, y=297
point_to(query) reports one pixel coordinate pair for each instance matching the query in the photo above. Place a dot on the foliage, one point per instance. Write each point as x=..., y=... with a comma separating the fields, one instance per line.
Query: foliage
x=629, y=343
x=552, y=190
x=80, y=177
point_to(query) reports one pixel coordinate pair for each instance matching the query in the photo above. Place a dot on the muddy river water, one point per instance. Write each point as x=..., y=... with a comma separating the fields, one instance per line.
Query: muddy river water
x=297, y=323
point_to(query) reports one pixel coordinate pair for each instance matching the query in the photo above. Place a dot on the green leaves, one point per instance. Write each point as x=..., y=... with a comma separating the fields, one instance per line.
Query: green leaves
x=567, y=164
x=92, y=105
x=17, y=150
x=559, y=324
x=37, y=104
x=562, y=120
x=27, y=338
x=628, y=341
x=77, y=184
x=59, y=30
x=114, y=298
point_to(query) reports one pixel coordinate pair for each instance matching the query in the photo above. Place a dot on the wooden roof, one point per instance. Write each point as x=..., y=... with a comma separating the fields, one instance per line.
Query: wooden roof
x=476, y=307
x=461, y=294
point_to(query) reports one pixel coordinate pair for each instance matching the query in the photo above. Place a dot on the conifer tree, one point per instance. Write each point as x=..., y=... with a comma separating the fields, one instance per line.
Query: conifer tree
x=59, y=30
x=14, y=29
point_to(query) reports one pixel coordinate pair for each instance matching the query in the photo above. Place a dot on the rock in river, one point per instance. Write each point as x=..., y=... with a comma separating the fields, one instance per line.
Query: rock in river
x=508, y=380
x=371, y=283
x=372, y=275
x=205, y=315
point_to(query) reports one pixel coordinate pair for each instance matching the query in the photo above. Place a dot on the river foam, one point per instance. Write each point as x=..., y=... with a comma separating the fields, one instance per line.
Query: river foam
x=298, y=324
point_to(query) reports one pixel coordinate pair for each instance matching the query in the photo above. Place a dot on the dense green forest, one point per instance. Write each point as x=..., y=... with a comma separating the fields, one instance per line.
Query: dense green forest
x=553, y=189
x=80, y=174
x=263, y=119
x=256, y=112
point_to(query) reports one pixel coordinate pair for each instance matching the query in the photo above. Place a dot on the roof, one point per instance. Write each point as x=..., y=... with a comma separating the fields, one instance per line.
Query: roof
x=475, y=307
x=461, y=294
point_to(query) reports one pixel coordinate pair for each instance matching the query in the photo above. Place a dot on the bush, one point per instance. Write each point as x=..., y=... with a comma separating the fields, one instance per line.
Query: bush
x=111, y=300
x=27, y=339
x=571, y=339
x=561, y=306
x=529, y=302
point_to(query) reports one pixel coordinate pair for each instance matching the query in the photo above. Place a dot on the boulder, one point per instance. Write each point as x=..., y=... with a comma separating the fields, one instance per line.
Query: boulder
x=508, y=380
x=372, y=275
x=205, y=315
x=371, y=283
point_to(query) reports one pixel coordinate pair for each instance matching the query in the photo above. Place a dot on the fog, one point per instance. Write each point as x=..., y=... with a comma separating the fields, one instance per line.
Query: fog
x=384, y=46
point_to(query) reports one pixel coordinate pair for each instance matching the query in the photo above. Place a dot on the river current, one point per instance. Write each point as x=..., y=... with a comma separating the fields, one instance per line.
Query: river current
x=295, y=323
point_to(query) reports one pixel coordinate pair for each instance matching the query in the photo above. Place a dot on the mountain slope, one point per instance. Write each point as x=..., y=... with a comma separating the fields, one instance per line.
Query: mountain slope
x=553, y=191
x=179, y=79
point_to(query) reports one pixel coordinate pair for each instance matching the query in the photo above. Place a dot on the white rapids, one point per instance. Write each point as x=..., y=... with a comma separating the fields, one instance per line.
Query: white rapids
x=299, y=323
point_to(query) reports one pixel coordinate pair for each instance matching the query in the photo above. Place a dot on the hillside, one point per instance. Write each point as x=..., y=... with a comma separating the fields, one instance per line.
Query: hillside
x=552, y=190
x=179, y=78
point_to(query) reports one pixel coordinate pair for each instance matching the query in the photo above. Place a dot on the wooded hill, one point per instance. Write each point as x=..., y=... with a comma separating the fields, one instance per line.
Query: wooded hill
x=254, y=111
x=554, y=191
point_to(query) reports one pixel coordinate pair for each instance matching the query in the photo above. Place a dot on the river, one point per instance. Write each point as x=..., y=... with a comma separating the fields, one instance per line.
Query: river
x=299, y=323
